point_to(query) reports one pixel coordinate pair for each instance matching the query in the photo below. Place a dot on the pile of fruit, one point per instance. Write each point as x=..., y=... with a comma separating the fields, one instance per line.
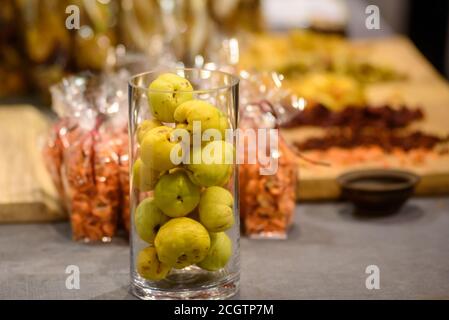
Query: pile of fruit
x=187, y=207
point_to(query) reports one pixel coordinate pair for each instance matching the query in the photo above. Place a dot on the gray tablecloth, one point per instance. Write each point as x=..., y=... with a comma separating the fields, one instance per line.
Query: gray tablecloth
x=325, y=256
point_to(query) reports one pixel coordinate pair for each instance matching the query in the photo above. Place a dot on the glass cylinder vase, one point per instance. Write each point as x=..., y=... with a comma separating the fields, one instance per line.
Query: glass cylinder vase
x=184, y=189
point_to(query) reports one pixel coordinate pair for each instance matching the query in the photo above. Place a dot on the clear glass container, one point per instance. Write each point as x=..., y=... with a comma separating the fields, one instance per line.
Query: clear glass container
x=184, y=216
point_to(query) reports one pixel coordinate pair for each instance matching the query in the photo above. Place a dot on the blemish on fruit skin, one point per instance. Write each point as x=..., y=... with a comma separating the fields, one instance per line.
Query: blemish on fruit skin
x=181, y=259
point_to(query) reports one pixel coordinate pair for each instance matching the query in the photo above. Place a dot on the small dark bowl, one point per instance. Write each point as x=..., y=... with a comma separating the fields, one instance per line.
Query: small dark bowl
x=377, y=191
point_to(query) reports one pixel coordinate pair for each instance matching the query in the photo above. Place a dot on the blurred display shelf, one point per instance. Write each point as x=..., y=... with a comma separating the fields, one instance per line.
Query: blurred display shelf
x=325, y=257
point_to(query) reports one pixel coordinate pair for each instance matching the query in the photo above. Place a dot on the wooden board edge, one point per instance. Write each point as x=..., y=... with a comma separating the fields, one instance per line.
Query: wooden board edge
x=325, y=189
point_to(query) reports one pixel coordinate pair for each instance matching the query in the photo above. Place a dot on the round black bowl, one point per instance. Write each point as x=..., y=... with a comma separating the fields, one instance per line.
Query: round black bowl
x=377, y=191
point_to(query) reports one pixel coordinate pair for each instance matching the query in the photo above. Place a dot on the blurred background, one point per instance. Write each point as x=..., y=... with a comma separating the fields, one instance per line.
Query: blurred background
x=36, y=48
x=426, y=25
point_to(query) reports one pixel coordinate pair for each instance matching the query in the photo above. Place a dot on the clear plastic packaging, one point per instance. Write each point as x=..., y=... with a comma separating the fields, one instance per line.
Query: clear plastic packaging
x=267, y=202
x=87, y=154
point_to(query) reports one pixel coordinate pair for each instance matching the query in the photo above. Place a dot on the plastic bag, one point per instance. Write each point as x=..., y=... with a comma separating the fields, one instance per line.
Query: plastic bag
x=86, y=154
x=267, y=202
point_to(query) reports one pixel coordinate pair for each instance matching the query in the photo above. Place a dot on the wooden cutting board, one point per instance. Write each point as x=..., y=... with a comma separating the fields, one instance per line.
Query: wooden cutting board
x=424, y=88
x=27, y=192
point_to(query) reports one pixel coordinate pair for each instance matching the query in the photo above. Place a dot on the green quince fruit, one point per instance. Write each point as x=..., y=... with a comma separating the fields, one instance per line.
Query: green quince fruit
x=182, y=242
x=203, y=113
x=146, y=126
x=156, y=149
x=149, y=266
x=216, y=209
x=211, y=165
x=148, y=219
x=176, y=195
x=166, y=93
x=219, y=253
x=144, y=178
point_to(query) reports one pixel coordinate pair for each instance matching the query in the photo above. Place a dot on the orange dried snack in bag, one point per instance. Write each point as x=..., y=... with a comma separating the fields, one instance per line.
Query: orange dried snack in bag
x=91, y=176
x=124, y=180
x=53, y=156
x=79, y=181
x=107, y=184
x=91, y=168
x=87, y=150
x=267, y=202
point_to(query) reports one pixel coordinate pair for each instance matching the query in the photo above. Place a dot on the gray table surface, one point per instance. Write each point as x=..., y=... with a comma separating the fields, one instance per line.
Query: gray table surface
x=325, y=256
